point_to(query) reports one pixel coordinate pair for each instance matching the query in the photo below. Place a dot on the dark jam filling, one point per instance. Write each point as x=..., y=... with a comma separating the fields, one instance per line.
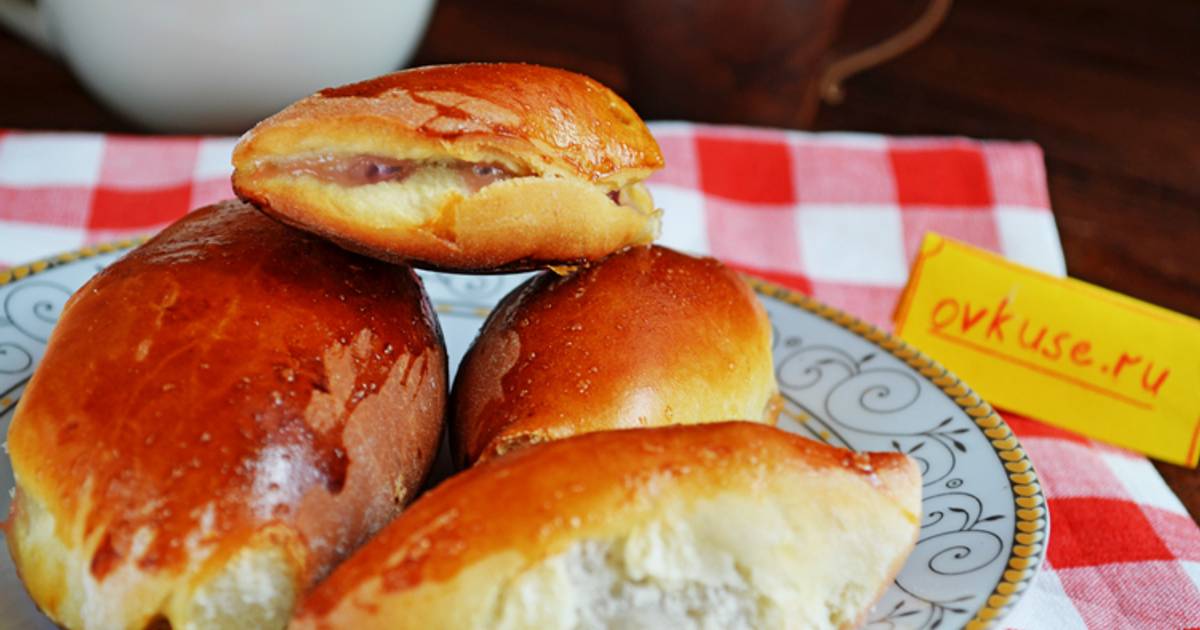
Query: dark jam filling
x=364, y=170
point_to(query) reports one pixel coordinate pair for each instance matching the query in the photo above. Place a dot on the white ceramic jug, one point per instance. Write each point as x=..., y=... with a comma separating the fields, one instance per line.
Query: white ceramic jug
x=218, y=65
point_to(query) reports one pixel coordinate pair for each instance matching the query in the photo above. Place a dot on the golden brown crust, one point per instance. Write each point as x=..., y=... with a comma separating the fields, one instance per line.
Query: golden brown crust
x=647, y=337
x=535, y=503
x=568, y=143
x=229, y=377
x=541, y=117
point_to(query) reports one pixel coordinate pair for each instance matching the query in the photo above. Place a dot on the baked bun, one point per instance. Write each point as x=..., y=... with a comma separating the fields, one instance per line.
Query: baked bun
x=732, y=525
x=220, y=416
x=474, y=167
x=647, y=337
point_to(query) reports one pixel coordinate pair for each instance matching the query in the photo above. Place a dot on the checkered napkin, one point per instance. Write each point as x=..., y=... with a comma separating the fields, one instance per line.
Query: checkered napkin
x=838, y=216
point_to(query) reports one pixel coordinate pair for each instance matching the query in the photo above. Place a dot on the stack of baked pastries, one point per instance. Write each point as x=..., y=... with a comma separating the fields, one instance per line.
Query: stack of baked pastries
x=230, y=421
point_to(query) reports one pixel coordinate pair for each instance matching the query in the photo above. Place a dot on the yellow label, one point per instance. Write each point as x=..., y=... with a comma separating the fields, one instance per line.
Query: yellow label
x=1059, y=350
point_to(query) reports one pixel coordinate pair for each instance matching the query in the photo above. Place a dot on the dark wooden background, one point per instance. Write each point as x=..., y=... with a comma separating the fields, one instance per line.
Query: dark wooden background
x=1109, y=88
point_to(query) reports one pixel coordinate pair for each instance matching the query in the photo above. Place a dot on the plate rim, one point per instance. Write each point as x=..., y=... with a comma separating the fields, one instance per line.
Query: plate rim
x=1031, y=528
x=1032, y=520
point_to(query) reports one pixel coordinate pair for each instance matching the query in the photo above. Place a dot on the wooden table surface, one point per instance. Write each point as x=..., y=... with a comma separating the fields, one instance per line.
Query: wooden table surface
x=1110, y=90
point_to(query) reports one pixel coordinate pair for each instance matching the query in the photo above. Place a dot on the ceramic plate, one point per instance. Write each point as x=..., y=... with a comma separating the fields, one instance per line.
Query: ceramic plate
x=984, y=526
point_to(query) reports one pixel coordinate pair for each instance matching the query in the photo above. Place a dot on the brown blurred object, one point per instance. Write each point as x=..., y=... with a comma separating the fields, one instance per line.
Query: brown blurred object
x=1117, y=122
x=758, y=61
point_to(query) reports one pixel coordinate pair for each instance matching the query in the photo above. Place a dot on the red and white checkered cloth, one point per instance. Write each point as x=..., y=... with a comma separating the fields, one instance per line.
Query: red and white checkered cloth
x=836, y=215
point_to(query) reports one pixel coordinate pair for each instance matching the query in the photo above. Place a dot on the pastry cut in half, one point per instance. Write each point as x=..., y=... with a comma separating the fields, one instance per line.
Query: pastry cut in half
x=731, y=525
x=220, y=417
x=473, y=167
x=646, y=337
